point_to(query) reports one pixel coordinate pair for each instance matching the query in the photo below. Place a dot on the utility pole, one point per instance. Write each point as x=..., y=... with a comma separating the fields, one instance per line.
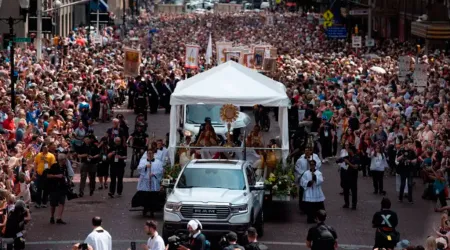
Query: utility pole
x=98, y=17
x=39, y=31
x=11, y=62
x=369, y=21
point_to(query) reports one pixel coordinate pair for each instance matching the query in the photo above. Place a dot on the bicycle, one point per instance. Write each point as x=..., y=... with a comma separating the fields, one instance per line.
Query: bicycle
x=135, y=158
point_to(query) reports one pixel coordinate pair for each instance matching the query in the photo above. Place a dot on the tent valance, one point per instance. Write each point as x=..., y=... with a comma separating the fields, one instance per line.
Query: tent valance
x=233, y=83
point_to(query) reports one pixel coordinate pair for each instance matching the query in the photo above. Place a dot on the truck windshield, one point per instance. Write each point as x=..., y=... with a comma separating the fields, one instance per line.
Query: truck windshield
x=196, y=114
x=232, y=179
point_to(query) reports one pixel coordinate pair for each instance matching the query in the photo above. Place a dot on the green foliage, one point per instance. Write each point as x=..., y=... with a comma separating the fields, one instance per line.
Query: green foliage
x=282, y=181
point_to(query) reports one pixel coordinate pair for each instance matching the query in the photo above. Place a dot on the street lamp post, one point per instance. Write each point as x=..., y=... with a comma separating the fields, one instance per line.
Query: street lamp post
x=24, y=4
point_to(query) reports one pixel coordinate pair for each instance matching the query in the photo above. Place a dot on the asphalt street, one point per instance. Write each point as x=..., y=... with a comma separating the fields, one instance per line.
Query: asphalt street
x=285, y=229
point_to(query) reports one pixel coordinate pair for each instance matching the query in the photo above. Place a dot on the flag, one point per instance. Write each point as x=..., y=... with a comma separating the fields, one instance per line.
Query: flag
x=192, y=56
x=209, y=51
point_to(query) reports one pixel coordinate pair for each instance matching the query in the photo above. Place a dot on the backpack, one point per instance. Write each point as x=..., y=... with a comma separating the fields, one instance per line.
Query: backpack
x=207, y=243
x=326, y=239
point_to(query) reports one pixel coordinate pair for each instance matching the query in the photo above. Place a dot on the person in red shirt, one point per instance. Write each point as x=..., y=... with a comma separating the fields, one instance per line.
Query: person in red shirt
x=9, y=125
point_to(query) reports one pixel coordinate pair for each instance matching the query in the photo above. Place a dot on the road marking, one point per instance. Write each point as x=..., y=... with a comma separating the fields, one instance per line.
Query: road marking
x=284, y=243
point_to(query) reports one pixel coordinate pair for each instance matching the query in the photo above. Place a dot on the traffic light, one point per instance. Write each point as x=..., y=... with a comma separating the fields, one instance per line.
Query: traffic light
x=6, y=40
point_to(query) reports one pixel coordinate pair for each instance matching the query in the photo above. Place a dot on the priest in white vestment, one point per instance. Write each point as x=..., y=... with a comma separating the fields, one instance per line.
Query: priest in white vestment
x=301, y=166
x=313, y=197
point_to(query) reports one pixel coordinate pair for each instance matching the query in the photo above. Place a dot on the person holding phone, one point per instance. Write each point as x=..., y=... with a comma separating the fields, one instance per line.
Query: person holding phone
x=155, y=242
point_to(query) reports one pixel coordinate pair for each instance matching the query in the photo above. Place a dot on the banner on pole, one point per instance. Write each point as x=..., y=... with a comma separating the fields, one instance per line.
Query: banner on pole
x=421, y=76
x=233, y=56
x=221, y=48
x=270, y=20
x=191, y=60
x=404, y=67
x=132, y=62
x=258, y=56
x=248, y=60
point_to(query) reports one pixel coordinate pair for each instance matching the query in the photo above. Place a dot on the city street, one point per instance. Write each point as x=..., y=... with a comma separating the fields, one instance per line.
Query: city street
x=286, y=229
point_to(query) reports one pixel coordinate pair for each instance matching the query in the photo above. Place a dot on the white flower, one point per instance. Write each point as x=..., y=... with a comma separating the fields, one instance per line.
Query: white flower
x=275, y=187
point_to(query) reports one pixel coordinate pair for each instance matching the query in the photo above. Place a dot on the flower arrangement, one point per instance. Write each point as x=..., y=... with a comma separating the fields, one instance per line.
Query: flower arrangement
x=282, y=181
x=172, y=173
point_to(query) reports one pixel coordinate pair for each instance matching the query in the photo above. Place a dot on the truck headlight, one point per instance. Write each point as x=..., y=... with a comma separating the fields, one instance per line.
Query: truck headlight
x=239, y=209
x=172, y=207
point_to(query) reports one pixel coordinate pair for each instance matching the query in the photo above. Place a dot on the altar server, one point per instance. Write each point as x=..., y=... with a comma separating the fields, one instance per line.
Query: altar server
x=313, y=196
x=301, y=166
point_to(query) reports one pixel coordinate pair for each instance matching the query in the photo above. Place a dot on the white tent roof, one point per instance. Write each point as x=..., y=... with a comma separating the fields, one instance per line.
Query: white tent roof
x=233, y=83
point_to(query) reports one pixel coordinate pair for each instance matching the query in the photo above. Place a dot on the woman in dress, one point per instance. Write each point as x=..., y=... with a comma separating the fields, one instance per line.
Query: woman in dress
x=151, y=172
x=208, y=137
x=255, y=138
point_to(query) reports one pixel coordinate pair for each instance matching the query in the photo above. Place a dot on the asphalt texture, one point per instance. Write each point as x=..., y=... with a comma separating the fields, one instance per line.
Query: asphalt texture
x=285, y=229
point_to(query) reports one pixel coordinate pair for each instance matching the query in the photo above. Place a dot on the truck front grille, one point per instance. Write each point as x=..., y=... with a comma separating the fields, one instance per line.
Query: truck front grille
x=205, y=212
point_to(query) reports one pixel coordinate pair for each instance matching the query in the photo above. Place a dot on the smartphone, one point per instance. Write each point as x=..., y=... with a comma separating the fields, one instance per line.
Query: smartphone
x=83, y=246
x=133, y=245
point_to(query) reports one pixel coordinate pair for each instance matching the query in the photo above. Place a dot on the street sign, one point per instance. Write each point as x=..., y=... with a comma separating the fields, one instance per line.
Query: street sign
x=370, y=42
x=327, y=24
x=337, y=32
x=22, y=40
x=321, y=20
x=328, y=15
x=98, y=39
x=359, y=12
x=356, y=42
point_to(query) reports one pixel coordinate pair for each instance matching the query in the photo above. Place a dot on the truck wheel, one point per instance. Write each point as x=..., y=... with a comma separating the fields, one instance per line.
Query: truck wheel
x=259, y=224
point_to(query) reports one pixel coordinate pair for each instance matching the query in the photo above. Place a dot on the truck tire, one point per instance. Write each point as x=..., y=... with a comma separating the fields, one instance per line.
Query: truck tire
x=259, y=223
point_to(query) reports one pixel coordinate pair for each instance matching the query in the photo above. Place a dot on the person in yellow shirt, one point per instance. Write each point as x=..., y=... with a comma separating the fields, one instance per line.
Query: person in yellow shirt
x=42, y=162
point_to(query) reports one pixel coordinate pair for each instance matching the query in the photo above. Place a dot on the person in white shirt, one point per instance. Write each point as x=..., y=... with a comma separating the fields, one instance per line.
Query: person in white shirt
x=313, y=196
x=162, y=152
x=99, y=238
x=301, y=166
x=155, y=242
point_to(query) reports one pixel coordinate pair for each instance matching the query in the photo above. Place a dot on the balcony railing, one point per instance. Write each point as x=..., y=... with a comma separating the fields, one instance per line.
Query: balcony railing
x=431, y=30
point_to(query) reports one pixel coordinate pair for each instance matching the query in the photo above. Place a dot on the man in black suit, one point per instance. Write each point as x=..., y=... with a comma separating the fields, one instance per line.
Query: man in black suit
x=153, y=95
x=166, y=91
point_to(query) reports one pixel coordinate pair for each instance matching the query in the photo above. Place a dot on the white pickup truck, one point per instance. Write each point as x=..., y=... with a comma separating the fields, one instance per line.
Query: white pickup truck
x=224, y=195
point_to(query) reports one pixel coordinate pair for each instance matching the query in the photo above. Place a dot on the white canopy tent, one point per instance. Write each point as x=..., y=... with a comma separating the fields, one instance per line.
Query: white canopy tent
x=231, y=83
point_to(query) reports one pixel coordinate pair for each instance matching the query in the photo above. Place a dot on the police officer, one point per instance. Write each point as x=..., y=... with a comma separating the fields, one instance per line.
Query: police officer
x=141, y=98
x=406, y=160
x=385, y=221
x=351, y=178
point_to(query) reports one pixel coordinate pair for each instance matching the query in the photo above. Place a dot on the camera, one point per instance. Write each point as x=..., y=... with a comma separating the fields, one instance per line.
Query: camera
x=177, y=240
x=340, y=160
x=223, y=242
